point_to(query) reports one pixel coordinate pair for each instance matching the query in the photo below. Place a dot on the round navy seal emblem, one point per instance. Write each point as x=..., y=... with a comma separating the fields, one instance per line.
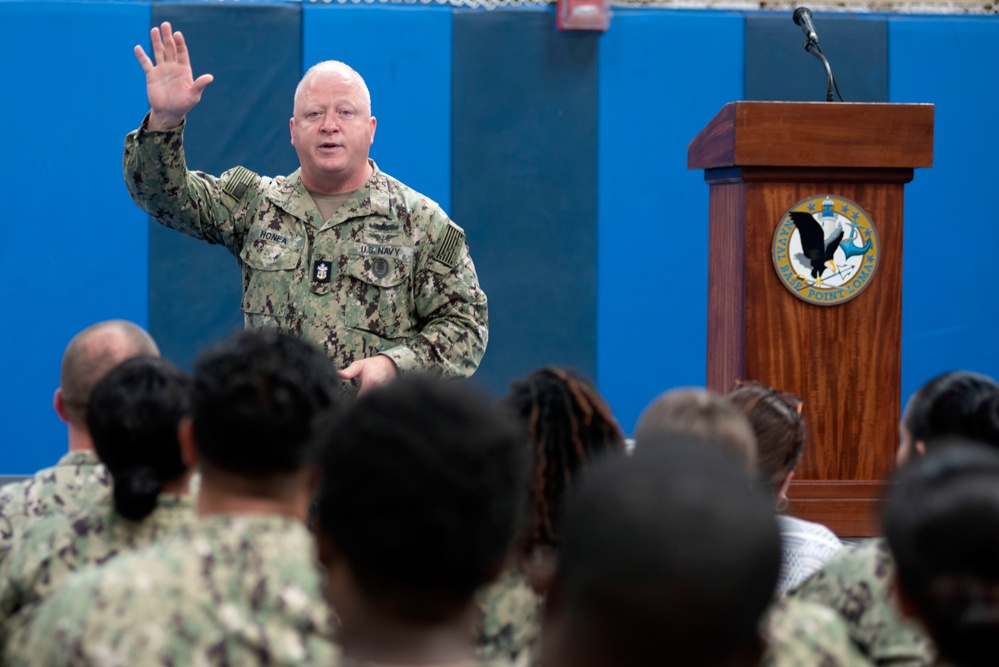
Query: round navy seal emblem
x=380, y=267
x=826, y=250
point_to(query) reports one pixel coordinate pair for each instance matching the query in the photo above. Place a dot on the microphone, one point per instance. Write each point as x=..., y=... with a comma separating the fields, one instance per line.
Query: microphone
x=803, y=17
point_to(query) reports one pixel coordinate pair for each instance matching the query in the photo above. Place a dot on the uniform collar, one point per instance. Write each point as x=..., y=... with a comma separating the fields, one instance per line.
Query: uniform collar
x=374, y=198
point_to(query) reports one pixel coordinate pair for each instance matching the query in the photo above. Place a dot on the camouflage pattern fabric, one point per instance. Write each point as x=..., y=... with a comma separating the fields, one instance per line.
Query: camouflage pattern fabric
x=231, y=590
x=857, y=582
x=78, y=481
x=48, y=552
x=388, y=274
x=804, y=634
x=509, y=619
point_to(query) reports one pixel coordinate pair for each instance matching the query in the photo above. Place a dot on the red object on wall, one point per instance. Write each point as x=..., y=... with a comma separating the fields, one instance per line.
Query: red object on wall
x=582, y=15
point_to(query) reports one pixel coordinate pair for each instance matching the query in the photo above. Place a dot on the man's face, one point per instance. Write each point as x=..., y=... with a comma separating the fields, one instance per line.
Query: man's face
x=332, y=130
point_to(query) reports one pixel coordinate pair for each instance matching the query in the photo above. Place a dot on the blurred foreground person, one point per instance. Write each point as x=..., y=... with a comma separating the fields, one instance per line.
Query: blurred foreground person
x=669, y=555
x=423, y=492
x=132, y=416
x=941, y=521
x=858, y=581
x=569, y=425
x=78, y=479
x=702, y=414
x=242, y=587
x=780, y=441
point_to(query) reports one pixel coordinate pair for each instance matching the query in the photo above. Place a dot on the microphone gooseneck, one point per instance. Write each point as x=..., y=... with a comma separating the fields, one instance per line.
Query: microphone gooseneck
x=803, y=18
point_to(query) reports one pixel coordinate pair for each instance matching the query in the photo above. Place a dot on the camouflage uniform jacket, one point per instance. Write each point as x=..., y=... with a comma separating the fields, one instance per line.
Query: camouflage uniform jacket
x=804, y=634
x=509, y=618
x=45, y=554
x=78, y=480
x=231, y=590
x=857, y=582
x=388, y=274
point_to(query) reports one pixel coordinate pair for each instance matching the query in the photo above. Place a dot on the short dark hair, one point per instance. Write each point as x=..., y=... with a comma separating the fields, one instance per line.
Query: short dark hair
x=423, y=492
x=569, y=426
x=956, y=404
x=258, y=397
x=941, y=521
x=132, y=418
x=670, y=553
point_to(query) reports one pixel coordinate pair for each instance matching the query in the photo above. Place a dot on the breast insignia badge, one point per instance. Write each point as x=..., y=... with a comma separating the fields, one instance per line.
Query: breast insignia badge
x=826, y=250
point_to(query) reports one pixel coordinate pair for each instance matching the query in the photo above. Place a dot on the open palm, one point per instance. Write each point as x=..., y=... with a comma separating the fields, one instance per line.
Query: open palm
x=170, y=83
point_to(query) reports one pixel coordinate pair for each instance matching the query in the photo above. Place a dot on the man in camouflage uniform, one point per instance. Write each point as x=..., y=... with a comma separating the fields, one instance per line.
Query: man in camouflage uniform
x=132, y=417
x=337, y=252
x=242, y=586
x=858, y=582
x=417, y=511
x=78, y=479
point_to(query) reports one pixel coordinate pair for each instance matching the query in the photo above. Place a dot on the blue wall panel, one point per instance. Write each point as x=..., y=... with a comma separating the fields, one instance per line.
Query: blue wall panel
x=525, y=185
x=949, y=316
x=661, y=81
x=404, y=55
x=242, y=119
x=72, y=91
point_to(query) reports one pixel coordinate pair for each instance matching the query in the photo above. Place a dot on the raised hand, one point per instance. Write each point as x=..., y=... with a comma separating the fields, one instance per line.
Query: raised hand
x=170, y=83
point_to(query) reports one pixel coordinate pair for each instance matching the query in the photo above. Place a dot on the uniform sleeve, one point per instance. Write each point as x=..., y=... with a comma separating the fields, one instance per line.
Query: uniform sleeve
x=195, y=203
x=450, y=308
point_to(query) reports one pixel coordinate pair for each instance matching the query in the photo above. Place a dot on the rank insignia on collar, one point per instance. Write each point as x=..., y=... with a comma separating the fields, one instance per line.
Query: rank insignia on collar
x=321, y=271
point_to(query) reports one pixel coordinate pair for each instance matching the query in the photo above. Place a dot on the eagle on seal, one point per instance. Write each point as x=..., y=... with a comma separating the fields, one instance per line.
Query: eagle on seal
x=819, y=240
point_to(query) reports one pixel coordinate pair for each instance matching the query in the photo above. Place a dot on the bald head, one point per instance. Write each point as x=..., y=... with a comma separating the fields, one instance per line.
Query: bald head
x=91, y=355
x=336, y=70
x=699, y=413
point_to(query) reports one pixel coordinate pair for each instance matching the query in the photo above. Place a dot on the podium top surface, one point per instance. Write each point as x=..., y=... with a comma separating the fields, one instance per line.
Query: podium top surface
x=815, y=134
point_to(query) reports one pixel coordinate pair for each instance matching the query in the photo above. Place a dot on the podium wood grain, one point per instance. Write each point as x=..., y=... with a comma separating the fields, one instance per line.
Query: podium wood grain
x=843, y=360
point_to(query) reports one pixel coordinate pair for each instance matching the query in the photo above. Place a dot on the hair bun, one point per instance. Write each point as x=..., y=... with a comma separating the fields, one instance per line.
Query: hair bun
x=135, y=492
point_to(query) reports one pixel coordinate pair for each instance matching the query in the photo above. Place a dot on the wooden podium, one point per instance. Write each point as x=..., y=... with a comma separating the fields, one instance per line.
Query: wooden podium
x=843, y=360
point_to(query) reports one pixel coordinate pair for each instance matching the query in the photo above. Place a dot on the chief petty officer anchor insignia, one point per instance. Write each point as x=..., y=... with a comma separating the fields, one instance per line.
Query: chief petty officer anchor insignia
x=826, y=250
x=321, y=271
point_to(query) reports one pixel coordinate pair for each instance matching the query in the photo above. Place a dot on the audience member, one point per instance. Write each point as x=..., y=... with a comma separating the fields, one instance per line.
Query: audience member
x=569, y=425
x=780, y=440
x=699, y=413
x=857, y=581
x=669, y=555
x=242, y=587
x=132, y=417
x=78, y=479
x=423, y=492
x=941, y=522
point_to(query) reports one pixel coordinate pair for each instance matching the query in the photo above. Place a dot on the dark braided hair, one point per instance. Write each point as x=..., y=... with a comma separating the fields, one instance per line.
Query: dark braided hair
x=570, y=425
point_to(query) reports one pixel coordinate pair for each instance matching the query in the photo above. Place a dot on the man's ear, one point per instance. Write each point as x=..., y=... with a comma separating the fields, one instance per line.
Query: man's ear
x=59, y=405
x=188, y=443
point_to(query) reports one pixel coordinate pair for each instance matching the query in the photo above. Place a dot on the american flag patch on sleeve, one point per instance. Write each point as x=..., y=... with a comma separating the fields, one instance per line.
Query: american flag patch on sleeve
x=449, y=245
